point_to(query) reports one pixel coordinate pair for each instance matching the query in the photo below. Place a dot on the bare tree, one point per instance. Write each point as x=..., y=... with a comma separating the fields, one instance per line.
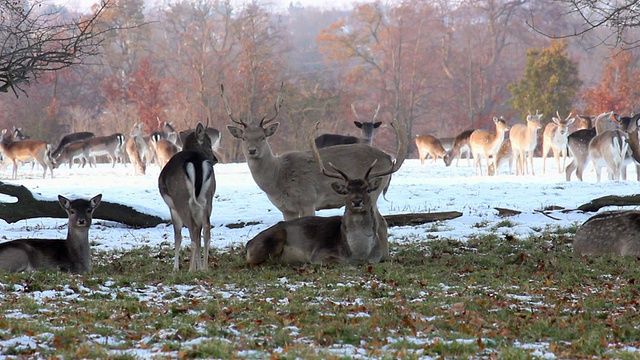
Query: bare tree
x=35, y=39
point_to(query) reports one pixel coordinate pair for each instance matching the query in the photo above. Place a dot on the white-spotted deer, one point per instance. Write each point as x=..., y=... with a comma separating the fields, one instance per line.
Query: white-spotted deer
x=460, y=146
x=360, y=234
x=484, y=144
x=27, y=150
x=367, y=129
x=292, y=181
x=429, y=145
x=611, y=232
x=555, y=139
x=524, y=139
x=112, y=146
x=72, y=255
x=187, y=184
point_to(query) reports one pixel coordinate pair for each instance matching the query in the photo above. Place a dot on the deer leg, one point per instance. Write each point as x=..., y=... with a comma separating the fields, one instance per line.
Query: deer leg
x=196, y=259
x=207, y=240
x=269, y=244
x=177, y=237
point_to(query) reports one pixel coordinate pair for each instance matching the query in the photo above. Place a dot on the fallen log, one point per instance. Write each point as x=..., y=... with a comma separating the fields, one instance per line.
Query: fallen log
x=28, y=207
x=610, y=200
x=419, y=218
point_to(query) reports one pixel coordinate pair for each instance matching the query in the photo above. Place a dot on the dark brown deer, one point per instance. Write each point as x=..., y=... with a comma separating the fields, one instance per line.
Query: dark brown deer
x=187, y=184
x=72, y=255
x=292, y=181
x=611, y=232
x=367, y=128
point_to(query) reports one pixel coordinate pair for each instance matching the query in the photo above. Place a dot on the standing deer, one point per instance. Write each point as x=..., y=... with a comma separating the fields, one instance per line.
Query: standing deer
x=164, y=149
x=70, y=152
x=293, y=181
x=611, y=232
x=112, y=146
x=578, y=142
x=72, y=255
x=524, y=139
x=460, y=145
x=429, y=145
x=69, y=139
x=367, y=128
x=27, y=150
x=555, y=139
x=485, y=144
x=360, y=234
x=504, y=155
x=187, y=184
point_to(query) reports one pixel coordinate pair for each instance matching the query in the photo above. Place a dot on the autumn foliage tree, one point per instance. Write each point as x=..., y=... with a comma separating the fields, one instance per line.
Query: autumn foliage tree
x=619, y=89
x=549, y=84
x=146, y=92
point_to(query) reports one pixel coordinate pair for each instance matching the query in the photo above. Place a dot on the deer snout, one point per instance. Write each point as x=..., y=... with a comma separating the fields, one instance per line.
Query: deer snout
x=356, y=203
x=252, y=152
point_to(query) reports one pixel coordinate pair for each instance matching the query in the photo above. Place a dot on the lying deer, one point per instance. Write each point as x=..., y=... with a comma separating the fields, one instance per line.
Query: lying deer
x=367, y=129
x=555, y=139
x=360, y=234
x=72, y=255
x=187, y=184
x=292, y=181
x=460, y=145
x=429, y=145
x=485, y=144
x=524, y=139
x=27, y=150
x=611, y=232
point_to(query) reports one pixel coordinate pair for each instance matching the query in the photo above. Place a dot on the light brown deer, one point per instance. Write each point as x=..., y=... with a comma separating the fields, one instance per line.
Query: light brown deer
x=72, y=255
x=609, y=149
x=187, y=184
x=504, y=155
x=484, y=144
x=429, y=145
x=611, y=232
x=460, y=145
x=524, y=139
x=27, y=150
x=164, y=149
x=360, y=234
x=69, y=153
x=555, y=138
x=112, y=146
x=292, y=181
x=367, y=131
x=578, y=142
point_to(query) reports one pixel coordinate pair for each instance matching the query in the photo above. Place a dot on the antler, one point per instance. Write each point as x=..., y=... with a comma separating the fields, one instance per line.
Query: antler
x=397, y=163
x=226, y=105
x=277, y=106
x=376, y=113
x=316, y=156
x=353, y=108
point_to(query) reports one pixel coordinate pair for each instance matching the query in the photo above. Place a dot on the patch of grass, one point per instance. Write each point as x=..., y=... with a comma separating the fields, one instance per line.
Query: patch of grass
x=489, y=296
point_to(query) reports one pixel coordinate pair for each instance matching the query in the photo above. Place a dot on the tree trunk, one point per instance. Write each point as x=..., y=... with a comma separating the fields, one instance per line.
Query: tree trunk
x=597, y=204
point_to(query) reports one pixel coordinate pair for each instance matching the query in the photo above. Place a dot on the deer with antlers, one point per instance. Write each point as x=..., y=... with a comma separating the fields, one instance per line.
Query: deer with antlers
x=292, y=181
x=360, y=234
x=367, y=128
x=555, y=138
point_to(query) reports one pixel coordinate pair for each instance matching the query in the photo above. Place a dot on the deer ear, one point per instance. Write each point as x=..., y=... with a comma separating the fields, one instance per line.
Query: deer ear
x=374, y=184
x=358, y=124
x=271, y=129
x=377, y=125
x=64, y=202
x=339, y=188
x=235, y=131
x=95, y=201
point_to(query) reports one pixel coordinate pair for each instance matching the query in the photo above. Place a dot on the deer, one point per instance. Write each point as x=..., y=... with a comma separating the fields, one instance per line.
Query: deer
x=460, y=145
x=164, y=149
x=485, y=144
x=367, y=128
x=27, y=150
x=71, y=138
x=187, y=184
x=71, y=255
x=292, y=181
x=110, y=145
x=608, y=149
x=138, y=149
x=578, y=142
x=69, y=153
x=610, y=232
x=214, y=135
x=524, y=139
x=360, y=234
x=504, y=154
x=429, y=145
x=555, y=138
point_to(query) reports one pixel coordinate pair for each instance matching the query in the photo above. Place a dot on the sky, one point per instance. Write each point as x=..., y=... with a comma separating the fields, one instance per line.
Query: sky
x=414, y=188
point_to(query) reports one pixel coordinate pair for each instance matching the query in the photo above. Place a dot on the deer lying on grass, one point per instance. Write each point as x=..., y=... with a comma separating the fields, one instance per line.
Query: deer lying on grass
x=611, y=232
x=360, y=234
x=460, y=145
x=555, y=139
x=72, y=255
x=429, y=145
x=27, y=150
x=367, y=128
x=485, y=144
x=524, y=139
x=292, y=181
x=187, y=184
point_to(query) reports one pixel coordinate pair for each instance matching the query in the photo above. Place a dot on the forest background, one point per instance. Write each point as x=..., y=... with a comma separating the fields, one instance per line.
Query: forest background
x=438, y=66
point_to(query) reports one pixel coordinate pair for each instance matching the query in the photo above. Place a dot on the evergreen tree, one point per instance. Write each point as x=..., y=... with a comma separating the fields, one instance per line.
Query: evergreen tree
x=549, y=84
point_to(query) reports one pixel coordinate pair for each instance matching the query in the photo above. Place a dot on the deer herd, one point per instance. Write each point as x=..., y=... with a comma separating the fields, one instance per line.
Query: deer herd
x=338, y=171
